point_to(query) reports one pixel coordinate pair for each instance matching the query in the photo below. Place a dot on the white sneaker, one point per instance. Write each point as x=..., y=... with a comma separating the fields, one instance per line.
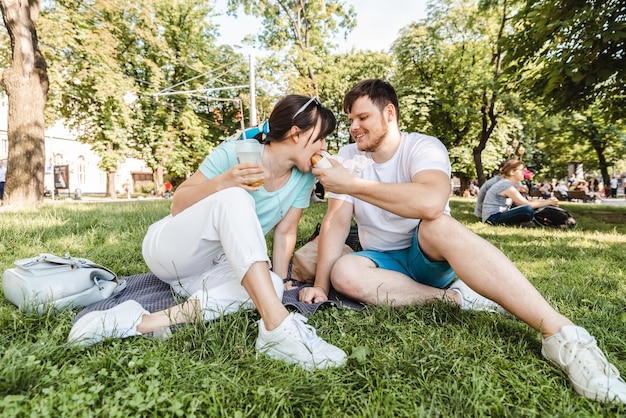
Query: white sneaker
x=295, y=342
x=576, y=352
x=473, y=301
x=120, y=321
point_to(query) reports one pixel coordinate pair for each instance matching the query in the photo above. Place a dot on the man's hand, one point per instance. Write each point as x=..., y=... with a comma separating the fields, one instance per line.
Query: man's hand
x=312, y=295
x=336, y=179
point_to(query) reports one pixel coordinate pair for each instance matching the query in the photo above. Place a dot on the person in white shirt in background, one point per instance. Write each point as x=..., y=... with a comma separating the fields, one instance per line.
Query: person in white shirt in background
x=614, y=187
x=3, y=179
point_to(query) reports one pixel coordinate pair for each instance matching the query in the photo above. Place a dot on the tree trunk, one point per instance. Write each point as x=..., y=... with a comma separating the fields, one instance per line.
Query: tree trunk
x=489, y=116
x=111, y=193
x=26, y=85
x=489, y=122
x=604, y=167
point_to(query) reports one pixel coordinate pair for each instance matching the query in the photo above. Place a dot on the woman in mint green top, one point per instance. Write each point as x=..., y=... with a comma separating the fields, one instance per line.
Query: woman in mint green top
x=271, y=205
x=212, y=248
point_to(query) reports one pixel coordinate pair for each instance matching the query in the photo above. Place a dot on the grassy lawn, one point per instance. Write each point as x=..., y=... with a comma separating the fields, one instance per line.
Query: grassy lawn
x=417, y=361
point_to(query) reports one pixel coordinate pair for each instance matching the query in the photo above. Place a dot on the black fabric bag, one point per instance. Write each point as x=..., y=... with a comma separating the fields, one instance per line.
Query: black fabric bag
x=352, y=240
x=554, y=217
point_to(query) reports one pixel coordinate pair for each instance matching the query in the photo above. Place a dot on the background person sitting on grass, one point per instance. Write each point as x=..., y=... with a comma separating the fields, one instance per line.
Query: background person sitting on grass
x=501, y=196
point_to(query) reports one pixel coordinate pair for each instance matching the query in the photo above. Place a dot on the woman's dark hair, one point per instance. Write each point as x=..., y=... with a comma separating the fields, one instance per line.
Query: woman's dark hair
x=284, y=116
x=380, y=92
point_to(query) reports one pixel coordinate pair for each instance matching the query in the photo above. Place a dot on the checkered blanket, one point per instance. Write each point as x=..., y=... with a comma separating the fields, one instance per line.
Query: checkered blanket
x=155, y=295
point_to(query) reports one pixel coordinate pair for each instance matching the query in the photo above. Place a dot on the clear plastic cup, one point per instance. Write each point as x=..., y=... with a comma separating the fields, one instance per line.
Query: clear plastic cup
x=250, y=151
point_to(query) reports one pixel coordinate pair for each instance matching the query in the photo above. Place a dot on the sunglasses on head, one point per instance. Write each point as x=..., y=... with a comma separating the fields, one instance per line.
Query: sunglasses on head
x=304, y=106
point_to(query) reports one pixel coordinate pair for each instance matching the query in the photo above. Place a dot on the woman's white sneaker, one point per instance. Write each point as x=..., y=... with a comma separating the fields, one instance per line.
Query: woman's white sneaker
x=295, y=342
x=120, y=321
x=576, y=352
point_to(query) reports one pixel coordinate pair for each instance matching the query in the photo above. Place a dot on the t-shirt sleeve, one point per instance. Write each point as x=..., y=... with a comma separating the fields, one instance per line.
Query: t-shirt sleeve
x=304, y=196
x=219, y=160
x=429, y=154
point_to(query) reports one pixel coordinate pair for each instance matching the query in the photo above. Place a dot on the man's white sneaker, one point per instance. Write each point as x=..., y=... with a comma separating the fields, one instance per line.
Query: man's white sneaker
x=475, y=302
x=576, y=352
x=295, y=342
x=120, y=321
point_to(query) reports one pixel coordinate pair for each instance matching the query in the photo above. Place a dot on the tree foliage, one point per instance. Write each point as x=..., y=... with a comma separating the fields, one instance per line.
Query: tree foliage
x=144, y=92
x=572, y=53
x=185, y=99
x=147, y=79
x=605, y=140
x=448, y=78
x=299, y=32
x=85, y=47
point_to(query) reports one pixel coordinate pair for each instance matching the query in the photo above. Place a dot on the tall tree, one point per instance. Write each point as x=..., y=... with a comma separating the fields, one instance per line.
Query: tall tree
x=571, y=53
x=91, y=89
x=580, y=136
x=448, y=70
x=26, y=85
x=300, y=31
x=149, y=81
x=184, y=81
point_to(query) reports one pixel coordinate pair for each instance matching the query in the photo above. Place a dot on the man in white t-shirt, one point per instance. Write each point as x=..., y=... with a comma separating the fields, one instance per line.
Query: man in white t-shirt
x=414, y=250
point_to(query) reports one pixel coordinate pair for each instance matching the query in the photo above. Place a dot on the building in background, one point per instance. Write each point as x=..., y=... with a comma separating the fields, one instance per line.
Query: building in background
x=73, y=164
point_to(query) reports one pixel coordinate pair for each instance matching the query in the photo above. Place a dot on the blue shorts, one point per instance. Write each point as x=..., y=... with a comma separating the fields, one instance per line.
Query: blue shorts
x=413, y=263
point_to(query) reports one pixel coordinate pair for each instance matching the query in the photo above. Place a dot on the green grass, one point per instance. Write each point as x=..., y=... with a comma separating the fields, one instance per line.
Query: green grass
x=416, y=361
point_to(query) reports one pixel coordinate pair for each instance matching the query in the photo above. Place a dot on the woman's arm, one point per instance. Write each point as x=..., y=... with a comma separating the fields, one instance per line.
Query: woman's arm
x=520, y=200
x=198, y=186
x=285, y=235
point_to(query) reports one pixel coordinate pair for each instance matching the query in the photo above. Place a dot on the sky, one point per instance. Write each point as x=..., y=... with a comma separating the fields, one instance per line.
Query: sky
x=378, y=23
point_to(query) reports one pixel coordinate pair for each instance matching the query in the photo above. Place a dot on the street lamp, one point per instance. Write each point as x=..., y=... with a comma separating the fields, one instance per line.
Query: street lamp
x=251, y=65
x=253, y=118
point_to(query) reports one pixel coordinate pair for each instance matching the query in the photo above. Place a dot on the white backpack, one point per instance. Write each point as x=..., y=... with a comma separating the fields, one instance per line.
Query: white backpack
x=61, y=283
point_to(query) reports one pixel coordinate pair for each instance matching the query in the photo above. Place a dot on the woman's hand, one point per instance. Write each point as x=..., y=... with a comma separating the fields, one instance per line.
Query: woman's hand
x=244, y=175
x=312, y=295
x=553, y=201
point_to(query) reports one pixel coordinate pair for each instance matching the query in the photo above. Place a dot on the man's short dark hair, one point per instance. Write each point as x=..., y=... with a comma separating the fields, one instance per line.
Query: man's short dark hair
x=380, y=92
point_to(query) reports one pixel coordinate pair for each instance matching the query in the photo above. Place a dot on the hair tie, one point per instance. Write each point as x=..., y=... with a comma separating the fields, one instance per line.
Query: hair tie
x=265, y=127
x=258, y=132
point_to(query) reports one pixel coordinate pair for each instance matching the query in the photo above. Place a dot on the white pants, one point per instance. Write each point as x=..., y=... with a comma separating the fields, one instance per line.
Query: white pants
x=204, y=251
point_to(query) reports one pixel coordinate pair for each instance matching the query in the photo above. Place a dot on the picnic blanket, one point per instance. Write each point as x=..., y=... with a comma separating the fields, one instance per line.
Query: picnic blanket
x=155, y=295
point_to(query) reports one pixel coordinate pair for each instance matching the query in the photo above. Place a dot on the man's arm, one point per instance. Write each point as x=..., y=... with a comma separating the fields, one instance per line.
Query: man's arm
x=520, y=200
x=424, y=198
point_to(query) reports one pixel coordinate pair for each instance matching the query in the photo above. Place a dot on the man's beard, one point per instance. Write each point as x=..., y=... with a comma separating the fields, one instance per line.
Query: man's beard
x=375, y=143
